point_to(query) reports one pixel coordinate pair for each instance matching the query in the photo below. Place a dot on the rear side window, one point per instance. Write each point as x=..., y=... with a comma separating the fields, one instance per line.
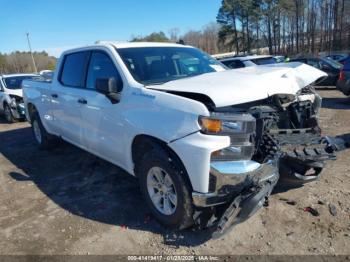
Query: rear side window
x=314, y=63
x=264, y=61
x=298, y=60
x=74, y=67
x=101, y=66
x=233, y=64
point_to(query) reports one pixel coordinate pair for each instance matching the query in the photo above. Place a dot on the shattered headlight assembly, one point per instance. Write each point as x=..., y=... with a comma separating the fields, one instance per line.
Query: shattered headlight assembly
x=241, y=130
x=13, y=103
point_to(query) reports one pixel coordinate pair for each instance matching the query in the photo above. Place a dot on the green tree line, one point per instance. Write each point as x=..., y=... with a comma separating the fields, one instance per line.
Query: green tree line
x=285, y=26
x=270, y=26
x=21, y=62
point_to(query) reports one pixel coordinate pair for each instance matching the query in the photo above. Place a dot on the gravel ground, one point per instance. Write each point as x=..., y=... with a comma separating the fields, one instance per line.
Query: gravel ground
x=67, y=201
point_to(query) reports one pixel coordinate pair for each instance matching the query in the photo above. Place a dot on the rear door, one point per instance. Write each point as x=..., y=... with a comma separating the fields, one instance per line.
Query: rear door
x=66, y=97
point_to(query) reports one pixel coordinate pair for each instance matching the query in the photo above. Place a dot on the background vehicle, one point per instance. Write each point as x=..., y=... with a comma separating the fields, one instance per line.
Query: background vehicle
x=246, y=61
x=329, y=66
x=11, y=98
x=47, y=74
x=339, y=57
x=343, y=83
x=280, y=58
x=206, y=150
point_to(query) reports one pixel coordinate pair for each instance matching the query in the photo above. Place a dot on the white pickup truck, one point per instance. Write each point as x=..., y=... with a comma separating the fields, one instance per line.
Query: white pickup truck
x=207, y=144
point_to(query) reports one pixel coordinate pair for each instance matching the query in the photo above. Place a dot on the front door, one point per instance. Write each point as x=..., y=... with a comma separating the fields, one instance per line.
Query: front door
x=102, y=120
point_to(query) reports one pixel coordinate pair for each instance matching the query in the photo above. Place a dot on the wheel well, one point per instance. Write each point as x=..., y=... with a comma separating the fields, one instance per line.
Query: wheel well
x=144, y=143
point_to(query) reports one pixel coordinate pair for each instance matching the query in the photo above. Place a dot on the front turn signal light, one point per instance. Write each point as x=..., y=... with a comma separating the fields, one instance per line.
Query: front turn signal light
x=210, y=125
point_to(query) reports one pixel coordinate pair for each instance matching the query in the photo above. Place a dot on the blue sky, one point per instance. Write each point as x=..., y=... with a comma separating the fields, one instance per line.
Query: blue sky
x=60, y=24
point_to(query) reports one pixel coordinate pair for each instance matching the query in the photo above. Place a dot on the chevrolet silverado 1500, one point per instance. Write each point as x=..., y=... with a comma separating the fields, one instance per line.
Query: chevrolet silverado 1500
x=207, y=144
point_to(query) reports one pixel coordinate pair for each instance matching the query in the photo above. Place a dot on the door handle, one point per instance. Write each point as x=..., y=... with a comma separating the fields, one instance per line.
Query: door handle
x=54, y=95
x=82, y=101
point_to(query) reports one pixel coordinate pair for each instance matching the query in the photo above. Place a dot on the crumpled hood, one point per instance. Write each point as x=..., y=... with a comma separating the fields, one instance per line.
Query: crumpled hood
x=248, y=84
x=16, y=92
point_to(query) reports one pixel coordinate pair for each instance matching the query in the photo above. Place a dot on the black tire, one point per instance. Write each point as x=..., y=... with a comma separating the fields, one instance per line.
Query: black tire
x=183, y=215
x=46, y=140
x=8, y=114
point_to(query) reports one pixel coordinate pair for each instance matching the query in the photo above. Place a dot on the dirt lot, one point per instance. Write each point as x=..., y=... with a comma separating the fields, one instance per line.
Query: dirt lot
x=67, y=201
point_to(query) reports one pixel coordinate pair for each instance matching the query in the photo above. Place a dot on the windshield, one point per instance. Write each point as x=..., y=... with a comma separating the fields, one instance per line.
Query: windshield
x=157, y=65
x=333, y=63
x=15, y=82
x=264, y=61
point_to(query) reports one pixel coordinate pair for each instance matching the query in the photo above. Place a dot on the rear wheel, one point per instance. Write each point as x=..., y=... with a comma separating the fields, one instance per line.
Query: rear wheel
x=41, y=136
x=167, y=192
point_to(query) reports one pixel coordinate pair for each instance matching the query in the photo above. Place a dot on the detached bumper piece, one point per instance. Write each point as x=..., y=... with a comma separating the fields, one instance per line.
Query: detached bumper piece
x=303, y=153
x=237, y=196
x=243, y=207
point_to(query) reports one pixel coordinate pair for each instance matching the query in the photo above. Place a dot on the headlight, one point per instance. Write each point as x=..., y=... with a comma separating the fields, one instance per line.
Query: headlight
x=239, y=127
x=227, y=124
x=13, y=103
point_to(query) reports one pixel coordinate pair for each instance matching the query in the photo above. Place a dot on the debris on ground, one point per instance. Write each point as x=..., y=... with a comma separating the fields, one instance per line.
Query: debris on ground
x=332, y=209
x=320, y=202
x=312, y=211
x=291, y=202
x=288, y=201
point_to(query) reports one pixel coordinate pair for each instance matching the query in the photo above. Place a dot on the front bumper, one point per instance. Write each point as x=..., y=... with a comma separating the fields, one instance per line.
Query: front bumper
x=229, y=179
x=18, y=111
x=241, y=189
x=244, y=206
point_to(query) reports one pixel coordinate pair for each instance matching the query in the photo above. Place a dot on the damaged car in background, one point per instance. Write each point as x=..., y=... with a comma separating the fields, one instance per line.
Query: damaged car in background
x=207, y=144
x=11, y=98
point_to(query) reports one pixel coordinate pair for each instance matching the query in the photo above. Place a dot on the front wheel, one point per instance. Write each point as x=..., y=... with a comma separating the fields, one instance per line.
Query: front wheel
x=8, y=114
x=167, y=192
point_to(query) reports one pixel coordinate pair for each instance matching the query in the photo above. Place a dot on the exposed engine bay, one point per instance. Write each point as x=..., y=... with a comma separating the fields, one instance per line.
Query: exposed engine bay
x=287, y=129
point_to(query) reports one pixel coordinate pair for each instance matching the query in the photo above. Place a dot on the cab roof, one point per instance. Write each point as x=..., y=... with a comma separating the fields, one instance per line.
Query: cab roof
x=140, y=44
x=245, y=58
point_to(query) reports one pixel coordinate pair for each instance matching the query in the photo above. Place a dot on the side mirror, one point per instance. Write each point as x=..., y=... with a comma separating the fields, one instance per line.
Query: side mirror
x=110, y=87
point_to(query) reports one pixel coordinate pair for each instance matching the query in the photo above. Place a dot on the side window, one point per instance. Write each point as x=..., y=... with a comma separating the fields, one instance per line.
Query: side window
x=314, y=63
x=101, y=66
x=233, y=64
x=73, y=71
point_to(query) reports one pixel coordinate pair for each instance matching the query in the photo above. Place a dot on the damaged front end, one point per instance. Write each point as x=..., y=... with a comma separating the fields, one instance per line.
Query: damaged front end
x=283, y=143
x=17, y=107
x=287, y=128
